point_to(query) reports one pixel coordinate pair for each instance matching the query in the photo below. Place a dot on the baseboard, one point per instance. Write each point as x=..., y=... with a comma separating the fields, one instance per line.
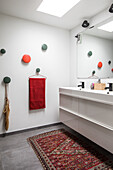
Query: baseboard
x=29, y=129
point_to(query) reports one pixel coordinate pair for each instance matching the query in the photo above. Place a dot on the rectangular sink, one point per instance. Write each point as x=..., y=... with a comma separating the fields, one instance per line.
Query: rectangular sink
x=94, y=95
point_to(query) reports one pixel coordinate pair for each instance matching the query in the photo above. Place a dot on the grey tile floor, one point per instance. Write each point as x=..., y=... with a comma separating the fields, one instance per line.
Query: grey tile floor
x=17, y=154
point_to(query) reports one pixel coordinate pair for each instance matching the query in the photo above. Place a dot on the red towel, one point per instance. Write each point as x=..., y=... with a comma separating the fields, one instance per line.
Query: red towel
x=36, y=93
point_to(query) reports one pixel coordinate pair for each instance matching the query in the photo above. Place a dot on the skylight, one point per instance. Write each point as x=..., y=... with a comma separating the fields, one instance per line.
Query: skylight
x=56, y=7
x=107, y=27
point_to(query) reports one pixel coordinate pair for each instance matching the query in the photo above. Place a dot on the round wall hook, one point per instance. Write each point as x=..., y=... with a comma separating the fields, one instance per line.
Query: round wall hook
x=2, y=51
x=93, y=72
x=90, y=53
x=100, y=64
x=7, y=80
x=26, y=58
x=38, y=70
x=109, y=62
x=44, y=47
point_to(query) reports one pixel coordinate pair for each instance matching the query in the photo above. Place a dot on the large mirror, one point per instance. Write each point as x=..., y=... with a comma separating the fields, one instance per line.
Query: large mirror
x=95, y=52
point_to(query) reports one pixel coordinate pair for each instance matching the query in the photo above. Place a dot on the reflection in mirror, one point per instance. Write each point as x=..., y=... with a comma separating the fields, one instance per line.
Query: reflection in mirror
x=95, y=52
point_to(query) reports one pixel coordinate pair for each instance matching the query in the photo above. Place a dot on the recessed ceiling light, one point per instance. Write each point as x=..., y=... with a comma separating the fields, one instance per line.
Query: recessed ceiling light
x=107, y=27
x=56, y=7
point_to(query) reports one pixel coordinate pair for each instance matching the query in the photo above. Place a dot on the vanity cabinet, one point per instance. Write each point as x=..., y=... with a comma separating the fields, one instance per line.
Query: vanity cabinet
x=88, y=113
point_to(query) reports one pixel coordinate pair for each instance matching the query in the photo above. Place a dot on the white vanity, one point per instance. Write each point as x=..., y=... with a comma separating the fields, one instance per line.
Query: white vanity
x=89, y=112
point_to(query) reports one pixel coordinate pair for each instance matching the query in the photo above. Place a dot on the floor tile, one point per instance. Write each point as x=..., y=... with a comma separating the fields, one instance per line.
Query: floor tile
x=20, y=159
x=0, y=163
x=17, y=154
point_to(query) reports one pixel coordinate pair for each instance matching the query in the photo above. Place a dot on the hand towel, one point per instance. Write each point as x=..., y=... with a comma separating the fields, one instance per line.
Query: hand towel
x=36, y=93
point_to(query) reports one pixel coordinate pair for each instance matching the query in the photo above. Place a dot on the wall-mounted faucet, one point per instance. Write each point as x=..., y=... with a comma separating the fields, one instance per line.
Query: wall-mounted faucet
x=110, y=87
x=82, y=85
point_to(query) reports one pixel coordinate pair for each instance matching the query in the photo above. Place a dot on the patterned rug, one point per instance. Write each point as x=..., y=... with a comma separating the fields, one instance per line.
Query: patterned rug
x=61, y=150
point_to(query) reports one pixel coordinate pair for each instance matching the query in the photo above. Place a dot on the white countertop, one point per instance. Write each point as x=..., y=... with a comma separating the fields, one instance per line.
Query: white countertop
x=95, y=95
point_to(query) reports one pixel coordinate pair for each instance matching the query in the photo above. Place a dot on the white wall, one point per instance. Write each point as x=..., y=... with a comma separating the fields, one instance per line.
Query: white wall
x=74, y=81
x=21, y=37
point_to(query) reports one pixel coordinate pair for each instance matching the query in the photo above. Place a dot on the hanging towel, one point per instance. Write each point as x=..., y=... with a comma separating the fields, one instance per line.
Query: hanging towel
x=36, y=93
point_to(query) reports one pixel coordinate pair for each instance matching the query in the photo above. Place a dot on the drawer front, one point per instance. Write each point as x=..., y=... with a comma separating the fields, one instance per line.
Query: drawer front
x=69, y=119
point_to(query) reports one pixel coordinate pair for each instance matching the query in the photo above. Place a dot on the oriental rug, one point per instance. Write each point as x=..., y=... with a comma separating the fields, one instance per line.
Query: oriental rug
x=61, y=150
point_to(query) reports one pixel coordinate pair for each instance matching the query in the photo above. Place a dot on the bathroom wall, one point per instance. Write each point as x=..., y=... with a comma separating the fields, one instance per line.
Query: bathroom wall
x=21, y=37
x=74, y=80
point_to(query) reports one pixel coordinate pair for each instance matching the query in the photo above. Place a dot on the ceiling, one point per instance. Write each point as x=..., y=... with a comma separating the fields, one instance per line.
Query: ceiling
x=100, y=33
x=26, y=9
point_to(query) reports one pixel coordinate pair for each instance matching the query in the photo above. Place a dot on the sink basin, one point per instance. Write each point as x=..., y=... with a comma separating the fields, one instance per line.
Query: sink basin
x=94, y=95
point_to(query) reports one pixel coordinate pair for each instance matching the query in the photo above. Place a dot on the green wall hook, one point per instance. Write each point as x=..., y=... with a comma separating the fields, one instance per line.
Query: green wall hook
x=44, y=47
x=90, y=53
x=38, y=70
x=93, y=72
x=2, y=51
x=7, y=80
